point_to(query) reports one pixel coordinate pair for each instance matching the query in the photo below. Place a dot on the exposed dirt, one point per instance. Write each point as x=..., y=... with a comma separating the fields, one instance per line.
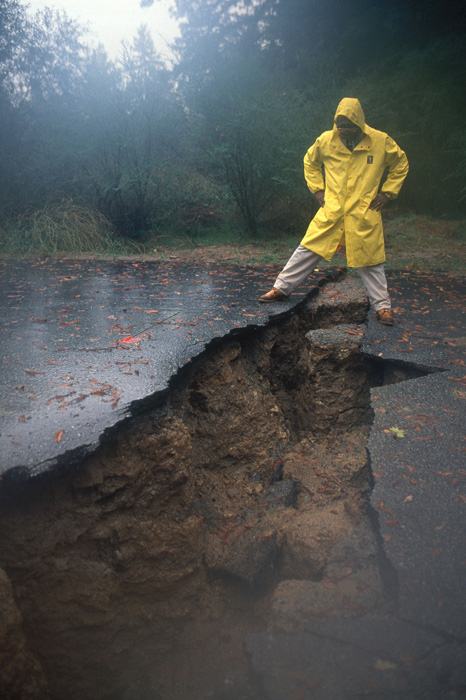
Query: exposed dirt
x=239, y=505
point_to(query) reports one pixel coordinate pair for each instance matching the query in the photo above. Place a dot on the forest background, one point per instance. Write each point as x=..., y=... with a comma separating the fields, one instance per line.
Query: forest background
x=207, y=147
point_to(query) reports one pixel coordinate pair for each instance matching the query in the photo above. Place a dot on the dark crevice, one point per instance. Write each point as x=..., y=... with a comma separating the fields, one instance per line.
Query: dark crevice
x=389, y=574
x=384, y=371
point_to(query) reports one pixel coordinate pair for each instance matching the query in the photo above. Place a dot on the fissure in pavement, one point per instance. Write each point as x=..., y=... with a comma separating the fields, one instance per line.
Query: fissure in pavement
x=240, y=505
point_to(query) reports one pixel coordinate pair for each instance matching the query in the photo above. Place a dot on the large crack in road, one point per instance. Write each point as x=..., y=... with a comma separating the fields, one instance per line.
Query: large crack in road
x=159, y=566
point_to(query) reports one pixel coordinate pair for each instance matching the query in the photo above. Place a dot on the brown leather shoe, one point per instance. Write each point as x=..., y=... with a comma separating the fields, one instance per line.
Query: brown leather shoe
x=273, y=295
x=385, y=316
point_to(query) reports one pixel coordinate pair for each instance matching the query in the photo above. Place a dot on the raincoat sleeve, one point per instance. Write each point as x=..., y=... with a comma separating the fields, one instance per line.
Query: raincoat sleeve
x=313, y=168
x=398, y=167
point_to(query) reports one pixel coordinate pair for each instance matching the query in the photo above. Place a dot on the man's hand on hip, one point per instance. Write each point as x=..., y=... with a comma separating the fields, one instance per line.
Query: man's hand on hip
x=379, y=202
x=320, y=196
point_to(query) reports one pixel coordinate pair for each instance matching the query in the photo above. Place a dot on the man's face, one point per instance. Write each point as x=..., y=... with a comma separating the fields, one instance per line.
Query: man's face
x=346, y=128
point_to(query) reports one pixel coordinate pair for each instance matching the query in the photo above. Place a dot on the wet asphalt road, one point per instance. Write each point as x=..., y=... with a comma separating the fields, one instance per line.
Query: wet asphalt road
x=86, y=344
x=418, y=449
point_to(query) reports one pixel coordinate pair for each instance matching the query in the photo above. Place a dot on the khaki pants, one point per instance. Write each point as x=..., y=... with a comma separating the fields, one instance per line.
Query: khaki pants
x=303, y=262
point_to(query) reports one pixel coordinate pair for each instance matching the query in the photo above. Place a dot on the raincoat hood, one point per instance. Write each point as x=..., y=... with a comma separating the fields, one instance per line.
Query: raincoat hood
x=351, y=108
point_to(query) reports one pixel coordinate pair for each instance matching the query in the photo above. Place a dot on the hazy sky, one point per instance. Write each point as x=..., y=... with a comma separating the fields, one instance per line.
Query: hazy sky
x=112, y=21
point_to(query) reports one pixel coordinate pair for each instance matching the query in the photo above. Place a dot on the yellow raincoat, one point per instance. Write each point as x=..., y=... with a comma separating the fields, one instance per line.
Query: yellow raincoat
x=352, y=181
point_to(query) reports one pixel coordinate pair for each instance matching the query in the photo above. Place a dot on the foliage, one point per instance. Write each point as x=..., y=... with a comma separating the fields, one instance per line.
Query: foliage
x=217, y=139
x=40, y=83
x=211, y=29
x=126, y=160
x=253, y=131
x=427, y=125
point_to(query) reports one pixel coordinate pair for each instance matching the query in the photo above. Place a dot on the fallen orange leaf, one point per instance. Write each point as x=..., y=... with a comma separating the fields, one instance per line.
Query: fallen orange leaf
x=58, y=435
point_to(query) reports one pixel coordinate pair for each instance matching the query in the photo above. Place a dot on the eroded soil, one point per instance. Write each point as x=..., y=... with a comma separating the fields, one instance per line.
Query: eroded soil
x=240, y=505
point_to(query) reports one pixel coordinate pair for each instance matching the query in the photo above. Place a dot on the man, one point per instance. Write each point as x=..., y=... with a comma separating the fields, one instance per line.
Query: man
x=344, y=169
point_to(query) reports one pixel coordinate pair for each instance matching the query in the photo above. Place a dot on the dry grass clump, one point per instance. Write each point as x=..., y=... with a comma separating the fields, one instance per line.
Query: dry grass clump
x=60, y=228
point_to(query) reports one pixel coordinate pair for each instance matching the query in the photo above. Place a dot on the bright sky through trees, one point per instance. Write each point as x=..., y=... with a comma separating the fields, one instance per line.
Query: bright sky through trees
x=110, y=23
